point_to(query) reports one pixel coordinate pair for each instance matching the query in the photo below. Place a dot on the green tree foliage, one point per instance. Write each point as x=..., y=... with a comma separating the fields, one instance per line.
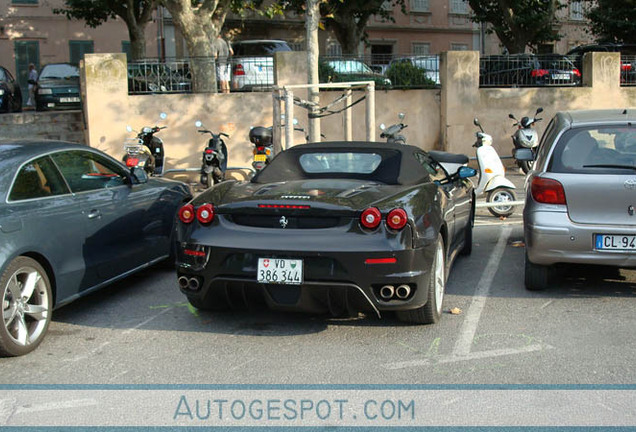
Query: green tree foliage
x=518, y=23
x=135, y=13
x=613, y=20
x=347, y=19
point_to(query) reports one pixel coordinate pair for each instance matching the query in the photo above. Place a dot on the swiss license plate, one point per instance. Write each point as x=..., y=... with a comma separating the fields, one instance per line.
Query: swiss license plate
x=615, y=242
x=260, y=158
x=561, y=76
x=280, y=271
x=69, y=99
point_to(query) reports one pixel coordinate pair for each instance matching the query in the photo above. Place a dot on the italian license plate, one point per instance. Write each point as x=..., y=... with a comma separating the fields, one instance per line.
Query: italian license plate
x=561, y=76
x=280, y=271
x=69, y=99
x=615, y=242
x=260, y=158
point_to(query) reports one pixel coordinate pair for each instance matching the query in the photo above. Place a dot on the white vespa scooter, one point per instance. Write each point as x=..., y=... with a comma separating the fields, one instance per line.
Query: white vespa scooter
x=492, y=176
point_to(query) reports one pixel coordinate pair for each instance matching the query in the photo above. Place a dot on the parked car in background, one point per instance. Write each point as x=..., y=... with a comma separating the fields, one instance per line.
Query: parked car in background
x=58, y=87
x=427, y=63
x=336, y=227
x=152, y=77
x=10, y=93
x=580, y=199
x=253, y=63
x=342, y=70
x=628, y=57
x=520, y=70
x=72, y=220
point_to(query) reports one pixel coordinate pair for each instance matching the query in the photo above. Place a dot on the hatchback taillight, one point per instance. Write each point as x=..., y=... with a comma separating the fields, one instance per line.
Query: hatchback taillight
x=396, y=219
x=205, y=213
x=537, y=73
x=186, y=213
x=547, y=191
x=238, y=70
x=371, y=218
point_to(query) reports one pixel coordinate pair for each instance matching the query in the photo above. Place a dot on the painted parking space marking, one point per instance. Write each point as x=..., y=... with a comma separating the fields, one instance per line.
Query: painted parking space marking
x=462, y=349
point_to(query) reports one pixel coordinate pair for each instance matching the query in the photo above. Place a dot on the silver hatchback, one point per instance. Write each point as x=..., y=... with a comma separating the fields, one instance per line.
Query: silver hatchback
x=581, y=194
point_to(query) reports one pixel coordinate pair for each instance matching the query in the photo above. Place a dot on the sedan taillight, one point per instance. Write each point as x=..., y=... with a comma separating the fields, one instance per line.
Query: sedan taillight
x=547, y=191
x=371, y=218
x=396, y=219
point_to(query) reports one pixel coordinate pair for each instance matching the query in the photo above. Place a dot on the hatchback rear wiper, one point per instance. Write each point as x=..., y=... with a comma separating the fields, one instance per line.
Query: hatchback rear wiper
x=632, y=167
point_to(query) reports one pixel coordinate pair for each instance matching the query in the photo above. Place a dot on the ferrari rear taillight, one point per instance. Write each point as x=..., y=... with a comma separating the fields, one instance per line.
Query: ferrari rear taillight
x=205, y=213
x=396, y=219
x=186, y=213
x=371, y=218
x=547, y=191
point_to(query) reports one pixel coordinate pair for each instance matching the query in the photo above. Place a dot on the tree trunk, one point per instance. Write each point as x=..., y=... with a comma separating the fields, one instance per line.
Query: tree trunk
x=347, y=33
x=136, y=33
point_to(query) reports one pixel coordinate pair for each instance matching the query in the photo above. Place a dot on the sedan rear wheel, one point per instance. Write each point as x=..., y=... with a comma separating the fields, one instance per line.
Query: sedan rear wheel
x=27, y=303
x=431, y=312
x=537, y=277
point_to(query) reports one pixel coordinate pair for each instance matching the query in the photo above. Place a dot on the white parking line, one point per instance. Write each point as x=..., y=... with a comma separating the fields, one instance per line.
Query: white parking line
x=469, y=327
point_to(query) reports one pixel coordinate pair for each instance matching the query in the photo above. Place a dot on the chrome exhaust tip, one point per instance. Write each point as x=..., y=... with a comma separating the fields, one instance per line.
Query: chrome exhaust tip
x=193, y=284
x=387, y=291
x=183, y=282
x=402, y=291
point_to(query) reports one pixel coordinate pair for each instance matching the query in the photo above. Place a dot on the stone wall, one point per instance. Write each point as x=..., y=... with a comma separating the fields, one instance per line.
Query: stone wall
x=437, y=118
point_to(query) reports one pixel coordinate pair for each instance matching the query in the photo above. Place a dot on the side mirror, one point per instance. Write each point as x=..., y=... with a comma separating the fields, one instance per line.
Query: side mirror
x=466, y=171
x=382, y=126
x=523, y=154
x=198, y=123
x=539, y=110
x=476, y=122
x=129, y=128
x=401, y=116
x=512, y=116
x=163, y=116
x=139, y=173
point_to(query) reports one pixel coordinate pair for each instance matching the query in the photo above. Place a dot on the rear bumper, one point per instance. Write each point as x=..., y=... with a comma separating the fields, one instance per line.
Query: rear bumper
x=332, y=279
x=551, y=238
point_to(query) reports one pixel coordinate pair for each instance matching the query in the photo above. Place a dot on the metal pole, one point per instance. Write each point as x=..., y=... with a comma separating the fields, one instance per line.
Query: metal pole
x=289, y=119
x=370, y=111
x=348, y=127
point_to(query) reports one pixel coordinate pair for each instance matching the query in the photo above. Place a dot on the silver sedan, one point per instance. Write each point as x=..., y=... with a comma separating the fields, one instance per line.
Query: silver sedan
x=581, y=194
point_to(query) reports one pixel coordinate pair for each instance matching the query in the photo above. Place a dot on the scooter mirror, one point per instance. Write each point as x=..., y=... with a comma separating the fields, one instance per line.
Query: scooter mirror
x=163, y=116
x=198, y=123
x=295, y=121
x=401, y=116
x=476, y=122
x=382, y=126
x=512, y=116
x=129, y=128
x=539, y=110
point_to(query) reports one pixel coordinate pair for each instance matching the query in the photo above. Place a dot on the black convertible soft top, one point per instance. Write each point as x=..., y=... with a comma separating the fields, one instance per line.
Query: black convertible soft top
x=399, y=166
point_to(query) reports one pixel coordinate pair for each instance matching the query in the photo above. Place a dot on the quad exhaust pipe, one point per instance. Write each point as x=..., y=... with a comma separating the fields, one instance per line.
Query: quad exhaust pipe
x=189, y=283
x=388, y=292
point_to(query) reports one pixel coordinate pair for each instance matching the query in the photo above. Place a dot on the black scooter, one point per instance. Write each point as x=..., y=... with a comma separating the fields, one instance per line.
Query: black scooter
x=214, y=161
x=263, y=150
x=145, y=150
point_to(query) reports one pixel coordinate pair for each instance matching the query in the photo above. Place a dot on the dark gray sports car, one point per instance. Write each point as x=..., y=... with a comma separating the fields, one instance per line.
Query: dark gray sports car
x=72, y=220
x=336, y=227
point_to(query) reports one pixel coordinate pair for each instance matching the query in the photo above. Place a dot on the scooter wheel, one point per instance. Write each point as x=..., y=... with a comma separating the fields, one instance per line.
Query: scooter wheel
x=525, y=166
x=501, y=195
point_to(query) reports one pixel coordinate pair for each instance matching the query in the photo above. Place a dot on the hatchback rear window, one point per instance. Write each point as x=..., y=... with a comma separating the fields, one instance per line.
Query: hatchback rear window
x=259, y=48
x=597, y=150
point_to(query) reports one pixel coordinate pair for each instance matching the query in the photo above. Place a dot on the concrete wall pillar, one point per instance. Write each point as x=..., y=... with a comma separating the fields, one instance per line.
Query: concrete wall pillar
x=459, y=75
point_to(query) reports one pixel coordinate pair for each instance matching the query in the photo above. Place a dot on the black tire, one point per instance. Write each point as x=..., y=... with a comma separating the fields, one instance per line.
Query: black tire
x=501, y=194
x=537, y=277
x=525, y=166
x=25, y=320
x=468, y=233
x=431, y=312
